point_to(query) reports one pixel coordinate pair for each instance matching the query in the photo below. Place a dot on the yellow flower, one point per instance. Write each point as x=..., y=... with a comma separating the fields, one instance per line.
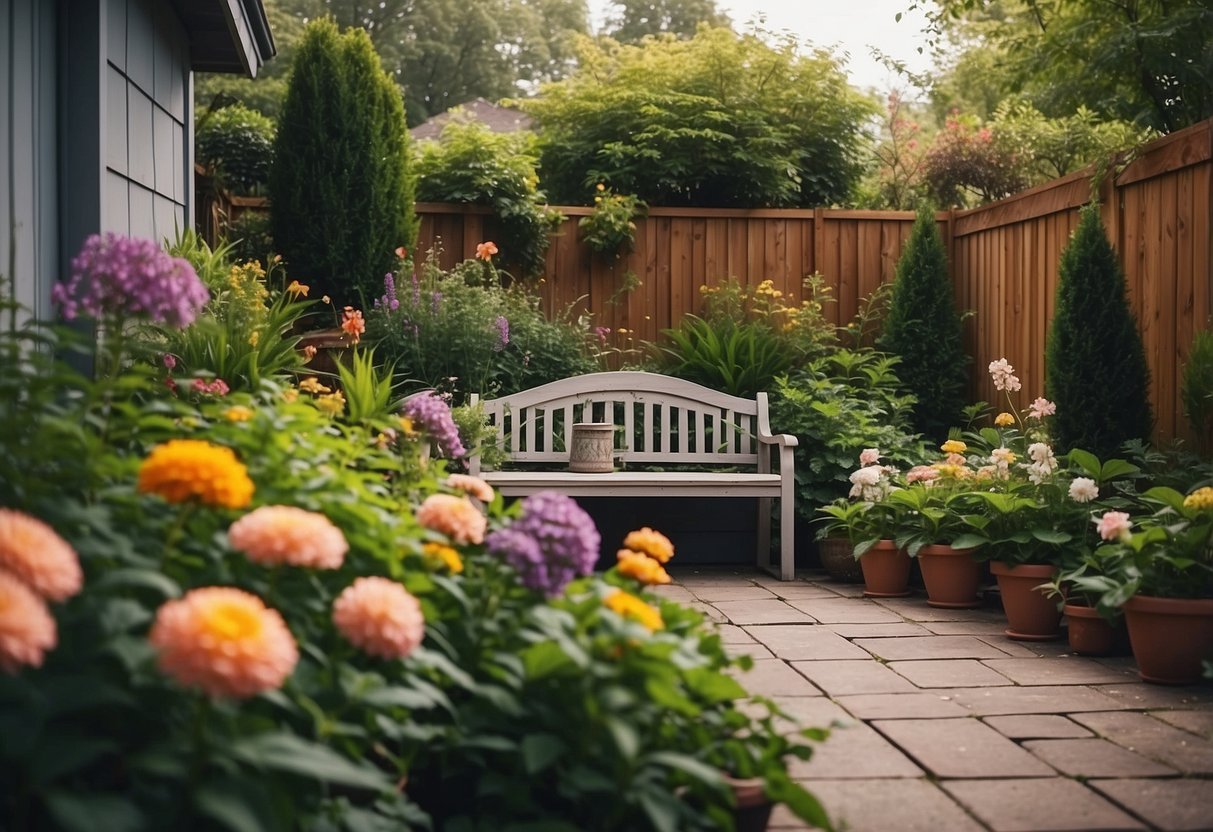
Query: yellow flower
x=627, y=605
x=297, y=289
x=648, y=542
x=238, y=413
x=1201, y=499
x=953, y=446
x=956, y=472
x=311, y=384
x=601, y=186
x=406, y=424
x=290, y=395
x=332, y=404
x=254, y=338
x=446, y=555
x=187, y=469
x=1004, y=419
x=641, y=567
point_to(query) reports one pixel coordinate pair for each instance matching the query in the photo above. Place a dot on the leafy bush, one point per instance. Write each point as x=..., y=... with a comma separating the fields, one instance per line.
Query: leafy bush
x=472, y=164
x=968, y=160
x=342, y=196
x=251, y=237
x=610, y=230
x=1095, y=363
x=237, y=144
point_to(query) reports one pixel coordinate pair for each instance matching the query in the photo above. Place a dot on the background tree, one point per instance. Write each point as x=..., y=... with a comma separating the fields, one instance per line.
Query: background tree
x=341, y=194
x=721, y=119
x=633, y=20
x=1095, y=364
x=265, y=92
x=923, y=329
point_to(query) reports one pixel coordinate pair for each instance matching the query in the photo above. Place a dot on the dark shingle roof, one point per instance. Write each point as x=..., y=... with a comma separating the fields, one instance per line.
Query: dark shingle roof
x=496, y=118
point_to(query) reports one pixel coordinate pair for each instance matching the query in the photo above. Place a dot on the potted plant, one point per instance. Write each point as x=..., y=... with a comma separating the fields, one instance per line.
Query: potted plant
x=1092, y=629
x=870, y=523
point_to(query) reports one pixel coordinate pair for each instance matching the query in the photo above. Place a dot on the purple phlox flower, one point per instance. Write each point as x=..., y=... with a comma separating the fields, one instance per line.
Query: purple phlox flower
x=602, y=332
x=551, y=544
x=435, y=301
x=389, y=298
x=503, y=333
x=432, y=415
x=116, y=275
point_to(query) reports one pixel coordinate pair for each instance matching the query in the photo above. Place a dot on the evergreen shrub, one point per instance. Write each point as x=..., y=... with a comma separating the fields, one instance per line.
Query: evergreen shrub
x=237, y=144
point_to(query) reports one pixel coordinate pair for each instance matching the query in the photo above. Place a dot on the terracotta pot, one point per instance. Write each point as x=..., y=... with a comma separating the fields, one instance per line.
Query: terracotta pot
x=1032, y=615
x=1090, y=633
x=1170, y=637
x=950, y=576
x=838, y=560
x=886, y=571
x=752, y=811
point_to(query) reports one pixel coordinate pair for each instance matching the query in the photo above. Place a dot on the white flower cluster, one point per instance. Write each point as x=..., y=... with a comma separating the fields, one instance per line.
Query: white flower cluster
x=1004, y=375
x=1083, y=490
x=871, y=483
x=1043, y=463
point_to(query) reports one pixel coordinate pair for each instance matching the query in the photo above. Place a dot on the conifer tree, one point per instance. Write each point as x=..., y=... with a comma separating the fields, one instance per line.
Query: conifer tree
x=923, y=329
x=342, y=199
x=1095, y=364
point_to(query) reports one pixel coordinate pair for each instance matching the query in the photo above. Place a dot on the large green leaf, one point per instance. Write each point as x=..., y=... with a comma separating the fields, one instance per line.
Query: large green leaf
x=76, y=811
x=295, y=755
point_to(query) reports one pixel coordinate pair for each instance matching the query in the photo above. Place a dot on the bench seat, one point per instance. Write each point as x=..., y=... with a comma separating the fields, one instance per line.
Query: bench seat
x=635, y=483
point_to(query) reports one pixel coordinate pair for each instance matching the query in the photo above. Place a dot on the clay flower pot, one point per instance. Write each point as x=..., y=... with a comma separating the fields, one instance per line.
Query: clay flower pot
x=950, y=576
x=886, y=571
x=838, y=560
x=752, y=811
x=1170, y=637
x=1032, y=615
x=1090, y=633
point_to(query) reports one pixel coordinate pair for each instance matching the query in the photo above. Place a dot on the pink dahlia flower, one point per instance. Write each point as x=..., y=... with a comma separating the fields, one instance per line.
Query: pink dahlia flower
x=870, y=456
x=379, y=617
x=31, y=551
x=455, y=517
x=272, y=535
x=472, y=486
x=1114, y=525
x=27, y=630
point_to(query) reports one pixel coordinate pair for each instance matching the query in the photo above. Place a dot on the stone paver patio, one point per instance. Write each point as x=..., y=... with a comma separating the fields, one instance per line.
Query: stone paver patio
x=943, y=723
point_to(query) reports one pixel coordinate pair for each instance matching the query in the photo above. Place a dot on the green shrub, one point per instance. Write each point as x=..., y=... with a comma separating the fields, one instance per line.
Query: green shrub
x=1197, y=389
x=237, y=144
x=251, y=237
x=342, y=197
x=1095, y=363
x=611, y=230
x=923, y=330
x=472, y=164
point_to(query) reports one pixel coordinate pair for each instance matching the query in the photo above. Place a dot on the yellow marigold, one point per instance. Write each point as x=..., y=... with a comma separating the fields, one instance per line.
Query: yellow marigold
x=648, y=542
x=472, y=486
x=1004, y=419
x=290, y=395
x=956, y=472
x=406, y=425
x=1201, y=499
x=641, y=567
x=626, y=605
x=27, y=630
x=332, y=404
x=379, y=617
x=223, y=641
x=953, y=446
x=455, y=517
x=238, y=413
x=446, y=555
x=311, y=384
x=32, y=553
x=273, y=535
x=297, y=289
x=187, y=469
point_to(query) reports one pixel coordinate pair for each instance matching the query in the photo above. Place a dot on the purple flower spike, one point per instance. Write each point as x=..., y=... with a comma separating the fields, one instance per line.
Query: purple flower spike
x=432, y=415
x=552, y=543
x=503, y=333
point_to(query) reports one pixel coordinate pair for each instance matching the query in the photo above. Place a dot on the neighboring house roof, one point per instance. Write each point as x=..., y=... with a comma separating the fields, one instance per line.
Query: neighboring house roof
x=227, y=35
x=496, y=118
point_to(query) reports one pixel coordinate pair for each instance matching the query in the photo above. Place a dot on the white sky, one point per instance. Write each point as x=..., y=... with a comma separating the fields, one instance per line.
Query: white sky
x=849, y=27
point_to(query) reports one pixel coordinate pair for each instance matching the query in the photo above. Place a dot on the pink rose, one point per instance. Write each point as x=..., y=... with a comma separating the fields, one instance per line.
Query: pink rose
x=1114, y=525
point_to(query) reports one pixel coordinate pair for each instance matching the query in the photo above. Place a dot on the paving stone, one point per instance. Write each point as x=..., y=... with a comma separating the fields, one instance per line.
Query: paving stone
x=844, y=590
x=1172, y=805
x=801, y=590
x=674, y=593
x=748, y=648
x=1036, y=726
x=799, y=642
x=854, y=751
x=1010, y=647
x=901, y=706
x=1141, y=696
x=930, y=647
x=949, y=673
x=1074, y=670
x=961, y=748
x=905, y=628
x=845, y=611
x=966, y=628
x=839, y=678
x=772, y=677
x=1145, y=735
x=1197, y=722
x=782, y=820
x=916, y=609
x=1042, y=699
x=814, y=711
x=771, y=611
x=708, y=610
x=732, y=634
x=1031, y=805
x=1028, y=649
x=868, y=806
x=689, y=576
x=1094, y=757
x=723, y=592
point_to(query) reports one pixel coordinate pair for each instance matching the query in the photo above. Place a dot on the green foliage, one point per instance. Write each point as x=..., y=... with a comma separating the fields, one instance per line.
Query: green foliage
x=266, y=92
x=1096, y=364
x=1196, y=389
x=610, y=230
x=923, y=329
x=237, y=144
x=366, y=386
x=343, y=200
x=633, y=20
x=471, y=164
x=967, y=160
x=721, y=119
x=251, y=237
x=1057, y=146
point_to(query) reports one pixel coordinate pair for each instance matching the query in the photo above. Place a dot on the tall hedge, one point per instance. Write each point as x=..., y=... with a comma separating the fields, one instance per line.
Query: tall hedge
x=342, y=198
x=1095, y=364
x=923, y=328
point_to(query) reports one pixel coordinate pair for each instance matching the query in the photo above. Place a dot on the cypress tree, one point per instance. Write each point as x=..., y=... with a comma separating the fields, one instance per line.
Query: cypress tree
x=923, y=329
x=1095, y=364
x=342, y=199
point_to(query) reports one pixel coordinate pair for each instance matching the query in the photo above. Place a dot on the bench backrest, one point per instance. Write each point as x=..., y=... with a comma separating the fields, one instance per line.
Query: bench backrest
x=658, y=419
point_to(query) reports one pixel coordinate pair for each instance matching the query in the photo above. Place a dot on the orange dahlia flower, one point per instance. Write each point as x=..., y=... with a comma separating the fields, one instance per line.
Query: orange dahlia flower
x=472, y=486
x=379, y=617
x=654, y=544
x=641, y=567
x=455, y=517
x=31, y=552
x=187, y=469
x=271, y=535
x=27, y=630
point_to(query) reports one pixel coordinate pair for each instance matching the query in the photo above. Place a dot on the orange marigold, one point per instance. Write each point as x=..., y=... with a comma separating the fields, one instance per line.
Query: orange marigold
x=352, y=323
x=627, y=605
x=223, y=641
x=641, y=567
x=271, y=535
x=472, y=486
x=654, y=544
x=379, y=617
x=446, y=555
x=455, y=517
x=27, y=630
x=486, y=250
x=186, y=469
x=32, y=552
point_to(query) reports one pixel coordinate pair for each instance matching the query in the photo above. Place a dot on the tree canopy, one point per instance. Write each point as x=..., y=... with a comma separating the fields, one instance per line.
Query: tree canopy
x=633, y=20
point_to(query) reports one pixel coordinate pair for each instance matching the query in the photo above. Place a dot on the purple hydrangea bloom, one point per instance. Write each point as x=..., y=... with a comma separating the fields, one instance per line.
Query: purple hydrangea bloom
x=432, y=415
x=503, y=333
x=553, y=542
x=116, y=275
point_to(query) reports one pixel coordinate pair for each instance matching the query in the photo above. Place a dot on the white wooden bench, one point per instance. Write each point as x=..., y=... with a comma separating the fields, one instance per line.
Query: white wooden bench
x=665, y=422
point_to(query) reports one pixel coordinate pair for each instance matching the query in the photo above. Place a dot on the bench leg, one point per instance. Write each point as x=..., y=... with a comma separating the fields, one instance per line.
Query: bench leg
x=764, y=533
x=787, y=531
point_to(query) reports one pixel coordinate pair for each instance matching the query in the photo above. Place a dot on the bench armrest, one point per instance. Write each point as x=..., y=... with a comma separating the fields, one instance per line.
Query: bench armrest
x=783, y=440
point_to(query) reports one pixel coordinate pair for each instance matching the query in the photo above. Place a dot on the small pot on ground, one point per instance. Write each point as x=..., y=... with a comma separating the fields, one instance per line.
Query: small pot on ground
x=1170, y=637
x=838, y=560
x=950, y=576
x=886, y=570
x=752, y=811
x=1031, y=614
x=1090, y=633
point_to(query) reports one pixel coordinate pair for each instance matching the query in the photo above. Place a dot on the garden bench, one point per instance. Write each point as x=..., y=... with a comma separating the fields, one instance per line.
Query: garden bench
x=660, y=422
